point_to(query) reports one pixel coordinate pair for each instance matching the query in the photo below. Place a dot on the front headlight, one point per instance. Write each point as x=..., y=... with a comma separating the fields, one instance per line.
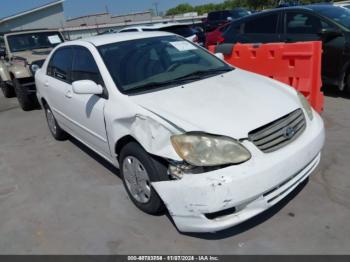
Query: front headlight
x=306, y=106
x=208, y=150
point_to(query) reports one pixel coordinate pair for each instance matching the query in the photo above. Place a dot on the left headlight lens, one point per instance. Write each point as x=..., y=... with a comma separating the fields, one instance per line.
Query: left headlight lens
x=306, y=106
x=209, y=150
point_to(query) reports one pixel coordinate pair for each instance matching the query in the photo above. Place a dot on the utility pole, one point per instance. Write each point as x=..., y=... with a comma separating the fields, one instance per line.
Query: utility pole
x=156, y=7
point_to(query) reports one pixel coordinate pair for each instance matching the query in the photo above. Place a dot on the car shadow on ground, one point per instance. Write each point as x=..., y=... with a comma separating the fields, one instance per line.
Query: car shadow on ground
x=95, y=156
x=236, y=230
x=332, y=91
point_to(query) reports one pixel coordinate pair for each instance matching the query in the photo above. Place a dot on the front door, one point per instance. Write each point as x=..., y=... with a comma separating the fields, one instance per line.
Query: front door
x=302, y=26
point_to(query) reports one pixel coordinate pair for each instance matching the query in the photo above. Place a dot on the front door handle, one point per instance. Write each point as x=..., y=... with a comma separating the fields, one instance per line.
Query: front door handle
x=68, y=94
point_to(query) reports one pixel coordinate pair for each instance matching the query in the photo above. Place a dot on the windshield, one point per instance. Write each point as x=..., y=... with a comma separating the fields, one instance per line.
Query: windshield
x=338, y=14
x=146, y=64
x=33, y=41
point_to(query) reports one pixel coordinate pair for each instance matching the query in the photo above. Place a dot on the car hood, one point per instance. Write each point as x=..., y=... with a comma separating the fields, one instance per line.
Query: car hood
x=34, y=55
x=232, y=104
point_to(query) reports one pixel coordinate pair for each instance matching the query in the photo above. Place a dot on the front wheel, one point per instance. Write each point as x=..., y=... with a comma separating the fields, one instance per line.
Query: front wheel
x=139, y=170
x=347, y=84
x=7, y=90
x=26, y=101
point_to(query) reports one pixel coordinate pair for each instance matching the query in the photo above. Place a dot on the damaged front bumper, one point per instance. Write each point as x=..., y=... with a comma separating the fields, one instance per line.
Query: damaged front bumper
x=218, y=200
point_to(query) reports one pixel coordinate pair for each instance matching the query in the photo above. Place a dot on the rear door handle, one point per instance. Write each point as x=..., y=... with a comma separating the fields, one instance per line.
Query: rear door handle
x=46, y=84
x=68, y=94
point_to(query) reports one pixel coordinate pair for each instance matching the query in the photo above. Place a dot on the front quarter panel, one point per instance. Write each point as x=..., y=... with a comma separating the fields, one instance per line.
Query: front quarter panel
x=20, y=71
x=4, y=74
x=124, y=118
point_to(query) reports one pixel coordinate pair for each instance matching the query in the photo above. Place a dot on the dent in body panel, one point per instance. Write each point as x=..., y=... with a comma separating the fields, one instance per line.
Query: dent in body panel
x=154, y=136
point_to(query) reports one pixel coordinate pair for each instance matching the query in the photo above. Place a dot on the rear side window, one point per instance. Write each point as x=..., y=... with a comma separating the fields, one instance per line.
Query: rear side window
x=84, y=66
x=266, y=24
x=61, y=64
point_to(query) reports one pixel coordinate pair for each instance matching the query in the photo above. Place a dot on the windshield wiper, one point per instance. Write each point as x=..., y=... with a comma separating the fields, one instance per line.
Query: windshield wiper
x=152, y=85
x=197, y=75
x=203, y=73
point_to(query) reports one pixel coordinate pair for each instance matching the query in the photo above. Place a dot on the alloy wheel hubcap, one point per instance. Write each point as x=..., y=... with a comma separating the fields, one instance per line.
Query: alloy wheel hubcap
x=51, y=121
x=137, y=179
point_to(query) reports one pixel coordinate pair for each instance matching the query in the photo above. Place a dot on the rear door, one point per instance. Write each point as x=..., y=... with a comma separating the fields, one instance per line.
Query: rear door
x=58, y=83
x=305, y=26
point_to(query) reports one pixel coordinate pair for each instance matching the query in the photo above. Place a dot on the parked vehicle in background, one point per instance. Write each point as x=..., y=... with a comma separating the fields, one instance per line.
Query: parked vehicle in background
x=345, y=4
x=22, y=54
x=324, y=22
x=215, y=37
x=140, y=100
x=200, y=34
x=176, y=28
x=218, y=18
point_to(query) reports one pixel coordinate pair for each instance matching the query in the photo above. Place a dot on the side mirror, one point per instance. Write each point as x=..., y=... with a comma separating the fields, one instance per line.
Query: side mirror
x=229, y=19
x=328, y=34
x=220, y=56
x=87, y=87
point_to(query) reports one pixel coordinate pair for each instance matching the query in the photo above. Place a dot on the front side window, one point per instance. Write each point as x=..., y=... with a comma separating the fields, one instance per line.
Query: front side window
x=301, y=23
x=337, y=14
x=147, y=64
x=84, y=66
x=266, y=24
x=32, y=41
x=60, y=65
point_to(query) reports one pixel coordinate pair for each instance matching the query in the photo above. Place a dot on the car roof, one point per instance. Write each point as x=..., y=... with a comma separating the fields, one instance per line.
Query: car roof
x=115, y=38
x=311, y=7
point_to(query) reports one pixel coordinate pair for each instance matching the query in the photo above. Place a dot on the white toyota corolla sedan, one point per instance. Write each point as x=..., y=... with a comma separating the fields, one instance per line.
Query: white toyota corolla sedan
x=212, y=144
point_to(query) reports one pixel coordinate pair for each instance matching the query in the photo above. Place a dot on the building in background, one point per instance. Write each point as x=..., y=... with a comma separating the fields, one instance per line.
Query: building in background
x=47, y=16
x=107, y=18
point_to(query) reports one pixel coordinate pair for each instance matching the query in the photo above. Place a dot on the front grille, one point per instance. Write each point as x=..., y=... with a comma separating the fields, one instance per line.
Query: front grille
x=279, y=133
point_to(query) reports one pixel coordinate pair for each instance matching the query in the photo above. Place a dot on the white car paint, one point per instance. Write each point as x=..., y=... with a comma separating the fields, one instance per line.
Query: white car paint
x=157, y=26
x=231, y=104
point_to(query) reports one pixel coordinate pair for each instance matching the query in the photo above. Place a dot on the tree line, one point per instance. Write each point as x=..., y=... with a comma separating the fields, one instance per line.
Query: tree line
x=230, y=4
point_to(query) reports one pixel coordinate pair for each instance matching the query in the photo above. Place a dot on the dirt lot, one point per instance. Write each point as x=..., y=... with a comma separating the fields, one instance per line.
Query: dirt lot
x=60, y=198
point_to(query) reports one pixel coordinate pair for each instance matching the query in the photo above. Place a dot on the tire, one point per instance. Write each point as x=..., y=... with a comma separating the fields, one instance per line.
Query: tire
x=7, y=90
x=57, y=132
x=134, y=154
x=26, y=101
x=347, y=84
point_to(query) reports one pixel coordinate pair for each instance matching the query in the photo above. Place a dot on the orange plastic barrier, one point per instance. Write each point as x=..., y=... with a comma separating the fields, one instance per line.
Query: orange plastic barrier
x=295, y=64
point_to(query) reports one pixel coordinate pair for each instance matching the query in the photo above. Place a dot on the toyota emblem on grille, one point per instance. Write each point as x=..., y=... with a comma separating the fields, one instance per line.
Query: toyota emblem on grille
x=289, y=132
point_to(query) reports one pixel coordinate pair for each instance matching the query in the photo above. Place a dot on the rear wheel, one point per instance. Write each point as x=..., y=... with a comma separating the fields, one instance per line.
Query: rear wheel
x=26, y=101
x=139, y=170
x=57, y=132
x=7, y=90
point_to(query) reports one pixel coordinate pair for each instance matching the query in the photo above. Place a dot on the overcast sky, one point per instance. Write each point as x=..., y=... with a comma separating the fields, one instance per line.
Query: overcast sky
x=75, y=8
